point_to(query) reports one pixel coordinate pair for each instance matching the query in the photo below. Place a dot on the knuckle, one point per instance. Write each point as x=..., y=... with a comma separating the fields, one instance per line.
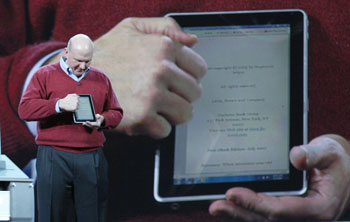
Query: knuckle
x=162, y=71
x=161, y=133
x=151, y=99
x=170, y=21
x=184, y=114
x=203, y=68
x=198, y=90
x=128, y=20
x=153, y=126
x=170, y=25
x=166, y=43
x=333, y=151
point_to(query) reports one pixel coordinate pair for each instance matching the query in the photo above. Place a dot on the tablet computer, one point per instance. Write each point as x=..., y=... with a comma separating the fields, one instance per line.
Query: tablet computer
x=253, y=108
x=86, y=111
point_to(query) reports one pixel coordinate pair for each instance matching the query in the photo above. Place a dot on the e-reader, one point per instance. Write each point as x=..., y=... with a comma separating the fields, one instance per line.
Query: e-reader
x=86, y=111
x=252, y=111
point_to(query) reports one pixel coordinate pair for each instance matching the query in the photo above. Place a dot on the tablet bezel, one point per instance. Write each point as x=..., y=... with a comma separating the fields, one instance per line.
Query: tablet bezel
x=164, y=190
x=76, y=120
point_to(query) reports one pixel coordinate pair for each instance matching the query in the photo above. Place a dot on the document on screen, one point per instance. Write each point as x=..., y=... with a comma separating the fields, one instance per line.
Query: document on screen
x=240, y=128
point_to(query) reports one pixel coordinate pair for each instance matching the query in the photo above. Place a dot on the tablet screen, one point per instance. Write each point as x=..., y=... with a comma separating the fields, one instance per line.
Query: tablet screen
x=252, y=111
x=240, y=130
x=86, y=111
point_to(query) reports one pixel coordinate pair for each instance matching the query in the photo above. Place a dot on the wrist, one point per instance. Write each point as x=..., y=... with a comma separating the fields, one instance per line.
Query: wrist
x=54, y=58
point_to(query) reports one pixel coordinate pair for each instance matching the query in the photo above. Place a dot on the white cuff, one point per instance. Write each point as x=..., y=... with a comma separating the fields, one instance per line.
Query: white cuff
x=57, y=108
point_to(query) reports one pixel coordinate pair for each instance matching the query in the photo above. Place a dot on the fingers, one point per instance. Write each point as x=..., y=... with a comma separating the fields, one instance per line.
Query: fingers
x=179, y=73
x=95, y=125
x=248, y=204
x=173, y=85
x=162, y=26
x=69, y=103
x=342, y=141
x=180, y=82
x=156, y=126
x=320, y=153
x=184, y=57
x=191, y=62
x=156, y=74
x=326, y=198
x=228, y=208
x=298, y=157
x=163, y=110
x=174, y=108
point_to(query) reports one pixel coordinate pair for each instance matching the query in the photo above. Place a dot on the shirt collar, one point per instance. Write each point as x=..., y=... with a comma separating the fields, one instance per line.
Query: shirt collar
x=68, y=70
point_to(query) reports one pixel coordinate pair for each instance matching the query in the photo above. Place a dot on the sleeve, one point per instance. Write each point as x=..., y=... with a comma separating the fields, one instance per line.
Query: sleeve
x=17, y=141
x=35, y=105
x=113, y=112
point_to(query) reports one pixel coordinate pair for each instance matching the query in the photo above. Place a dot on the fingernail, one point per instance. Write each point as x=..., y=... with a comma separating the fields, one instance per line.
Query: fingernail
x=306, y=154
x=193, y=35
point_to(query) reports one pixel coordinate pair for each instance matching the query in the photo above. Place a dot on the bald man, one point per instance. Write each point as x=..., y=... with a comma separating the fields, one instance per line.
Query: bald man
x=71, y=167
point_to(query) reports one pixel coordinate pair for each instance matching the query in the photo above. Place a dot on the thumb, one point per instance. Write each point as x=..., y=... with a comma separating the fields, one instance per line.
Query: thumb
x=298, y=157
x=164, y=26
x=320, y=153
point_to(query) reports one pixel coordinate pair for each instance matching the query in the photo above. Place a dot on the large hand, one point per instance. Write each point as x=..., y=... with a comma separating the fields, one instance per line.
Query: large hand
x=70, y=103
x=154, y=73
x=327, y=159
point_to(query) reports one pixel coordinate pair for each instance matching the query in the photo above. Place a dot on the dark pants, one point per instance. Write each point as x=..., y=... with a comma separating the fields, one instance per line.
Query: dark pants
x=71, y=186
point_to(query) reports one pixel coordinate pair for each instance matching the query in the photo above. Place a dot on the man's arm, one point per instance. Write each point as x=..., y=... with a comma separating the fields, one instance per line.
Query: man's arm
x=17, y=141
x=33, y=104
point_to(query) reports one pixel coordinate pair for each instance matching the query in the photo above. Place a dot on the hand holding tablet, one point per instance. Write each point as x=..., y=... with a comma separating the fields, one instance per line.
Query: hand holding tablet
x=96, y=124
x=252, y=111
x=328, y=160
x=69, y=103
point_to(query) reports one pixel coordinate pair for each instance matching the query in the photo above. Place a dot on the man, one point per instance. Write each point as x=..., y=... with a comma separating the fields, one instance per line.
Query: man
x=71, y=167
x=25, y=24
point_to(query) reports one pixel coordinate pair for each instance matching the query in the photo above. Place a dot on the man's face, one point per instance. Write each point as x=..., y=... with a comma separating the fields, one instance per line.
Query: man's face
x=78, y=60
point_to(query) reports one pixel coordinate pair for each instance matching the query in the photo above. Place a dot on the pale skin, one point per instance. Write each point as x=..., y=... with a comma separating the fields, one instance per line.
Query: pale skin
x=154, y=73
x=327, y=158
x=156, y=76
x=79, y=56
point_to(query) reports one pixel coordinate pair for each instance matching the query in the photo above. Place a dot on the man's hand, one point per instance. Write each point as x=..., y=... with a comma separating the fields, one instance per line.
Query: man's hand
x=327, y=159
x=95, y=125
x=154, y=73
x=70, y=103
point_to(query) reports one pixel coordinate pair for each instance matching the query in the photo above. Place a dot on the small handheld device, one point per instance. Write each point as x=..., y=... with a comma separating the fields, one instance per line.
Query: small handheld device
x=253, y=108
x=86, y=111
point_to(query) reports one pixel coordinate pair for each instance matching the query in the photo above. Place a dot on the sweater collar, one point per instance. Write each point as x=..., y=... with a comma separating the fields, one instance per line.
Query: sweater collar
x=64, y=66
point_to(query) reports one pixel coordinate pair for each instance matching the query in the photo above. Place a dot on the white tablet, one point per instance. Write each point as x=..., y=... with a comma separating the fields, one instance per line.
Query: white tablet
x=252, y=111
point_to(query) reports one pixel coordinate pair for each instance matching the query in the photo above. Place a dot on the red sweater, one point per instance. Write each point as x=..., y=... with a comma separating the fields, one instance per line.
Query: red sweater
x=25, y=24
x=48, y=85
